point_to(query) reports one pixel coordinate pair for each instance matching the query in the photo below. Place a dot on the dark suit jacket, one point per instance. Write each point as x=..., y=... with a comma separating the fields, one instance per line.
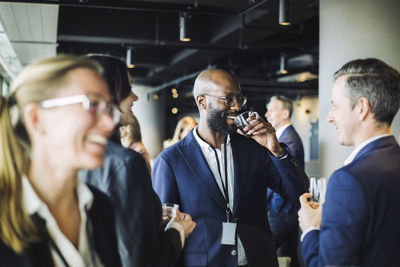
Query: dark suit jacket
x=101, y=216
x=181, y=175
x=293, y=141
x=124, y=177
x=360, y=218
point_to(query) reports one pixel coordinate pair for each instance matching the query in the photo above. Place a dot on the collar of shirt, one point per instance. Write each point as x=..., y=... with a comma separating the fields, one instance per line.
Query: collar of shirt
x=81, y=257
x=280, y=130
x=356, y=150
x=205, y=147
x=33, y=203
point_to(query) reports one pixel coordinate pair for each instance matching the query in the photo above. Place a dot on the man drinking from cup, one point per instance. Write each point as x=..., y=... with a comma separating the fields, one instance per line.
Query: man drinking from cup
x=221, y=178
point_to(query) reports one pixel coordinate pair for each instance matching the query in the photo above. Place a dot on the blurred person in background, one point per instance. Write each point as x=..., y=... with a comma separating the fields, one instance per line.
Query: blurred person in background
x=183, y=127
x=124, y=177
x=131, y=137
x=55, y=122
x=282, y=214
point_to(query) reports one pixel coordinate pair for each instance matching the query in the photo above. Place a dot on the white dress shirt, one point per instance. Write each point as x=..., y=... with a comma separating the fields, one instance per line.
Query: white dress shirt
x=209, y=154
x=348, y=160
x=279, y=131
x=85, y=255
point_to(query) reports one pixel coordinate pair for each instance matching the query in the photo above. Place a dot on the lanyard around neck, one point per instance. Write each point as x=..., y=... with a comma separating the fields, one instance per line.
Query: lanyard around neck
x=224, y=185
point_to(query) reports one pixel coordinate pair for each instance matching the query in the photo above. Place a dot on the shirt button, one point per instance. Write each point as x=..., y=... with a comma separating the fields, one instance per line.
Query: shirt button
x=233, y=252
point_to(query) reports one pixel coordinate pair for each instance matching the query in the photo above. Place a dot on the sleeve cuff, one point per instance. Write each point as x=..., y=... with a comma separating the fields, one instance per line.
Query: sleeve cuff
x=313, y=228
x=179, y=228
x=284, y=153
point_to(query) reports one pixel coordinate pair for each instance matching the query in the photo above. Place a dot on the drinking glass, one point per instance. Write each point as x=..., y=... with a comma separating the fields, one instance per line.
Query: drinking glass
x=241, y=120
x=169, y=210
x=318, y=188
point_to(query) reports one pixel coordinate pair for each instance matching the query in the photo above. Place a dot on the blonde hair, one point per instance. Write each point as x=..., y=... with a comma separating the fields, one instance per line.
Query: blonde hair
x=36, y=82
x=181, y=126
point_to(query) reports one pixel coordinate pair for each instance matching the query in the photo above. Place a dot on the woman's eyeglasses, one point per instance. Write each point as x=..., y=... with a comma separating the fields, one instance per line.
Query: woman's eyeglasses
x=230, y=101
x=96, y=105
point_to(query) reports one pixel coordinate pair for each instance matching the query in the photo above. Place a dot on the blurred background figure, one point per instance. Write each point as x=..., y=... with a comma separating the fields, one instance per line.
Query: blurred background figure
x=131, y=137
x=55, y=122
x=184, y=126
x=124, y=177
x=282, y=213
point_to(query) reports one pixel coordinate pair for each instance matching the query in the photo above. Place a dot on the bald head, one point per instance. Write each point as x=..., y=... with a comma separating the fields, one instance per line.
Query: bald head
x=213, y=80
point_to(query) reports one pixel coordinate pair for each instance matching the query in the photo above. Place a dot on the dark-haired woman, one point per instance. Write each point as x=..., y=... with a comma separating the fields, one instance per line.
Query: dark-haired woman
x=142, y=239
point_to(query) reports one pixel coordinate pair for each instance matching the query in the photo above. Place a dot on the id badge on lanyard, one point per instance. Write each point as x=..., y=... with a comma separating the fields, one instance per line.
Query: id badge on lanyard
x=228, y=233
x=228, y=228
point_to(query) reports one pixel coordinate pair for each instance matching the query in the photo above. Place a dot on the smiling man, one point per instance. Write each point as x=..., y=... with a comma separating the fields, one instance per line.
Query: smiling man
x=221, y=179
x=360, y=216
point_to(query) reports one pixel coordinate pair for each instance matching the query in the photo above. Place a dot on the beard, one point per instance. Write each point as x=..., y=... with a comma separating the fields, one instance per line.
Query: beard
x=217, y=121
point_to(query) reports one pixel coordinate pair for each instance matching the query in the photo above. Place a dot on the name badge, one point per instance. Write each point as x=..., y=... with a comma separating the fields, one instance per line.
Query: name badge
x=228, y=233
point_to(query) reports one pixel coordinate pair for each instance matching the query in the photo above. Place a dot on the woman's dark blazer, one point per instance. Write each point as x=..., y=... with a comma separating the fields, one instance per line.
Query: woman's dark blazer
x=142, y=241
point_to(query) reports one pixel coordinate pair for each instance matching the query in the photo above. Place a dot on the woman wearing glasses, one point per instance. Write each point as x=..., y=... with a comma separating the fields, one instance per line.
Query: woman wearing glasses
x=56, y=121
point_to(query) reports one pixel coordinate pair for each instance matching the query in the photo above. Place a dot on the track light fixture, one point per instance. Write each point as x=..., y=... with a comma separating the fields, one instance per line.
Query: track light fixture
x=129, y=62
x=284, y=13
x=184, y=31
x=283, y=65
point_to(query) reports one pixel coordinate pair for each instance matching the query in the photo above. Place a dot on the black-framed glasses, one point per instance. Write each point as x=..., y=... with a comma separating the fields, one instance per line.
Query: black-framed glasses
x=230, y=101
x=96, y=105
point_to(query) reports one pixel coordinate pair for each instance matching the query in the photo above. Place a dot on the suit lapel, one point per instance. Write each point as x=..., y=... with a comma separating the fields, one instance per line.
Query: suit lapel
x=196, y=162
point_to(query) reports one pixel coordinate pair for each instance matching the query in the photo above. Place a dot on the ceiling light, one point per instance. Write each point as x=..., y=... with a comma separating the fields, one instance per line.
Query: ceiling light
x=184, y=32
x=129, y=58
x=283, y=65
x=174, y=91
x=155, y=96
x=174, y=110
x=284, y=14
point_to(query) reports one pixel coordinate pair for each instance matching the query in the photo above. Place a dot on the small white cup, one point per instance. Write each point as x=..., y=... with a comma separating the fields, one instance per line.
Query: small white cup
x=169, y=209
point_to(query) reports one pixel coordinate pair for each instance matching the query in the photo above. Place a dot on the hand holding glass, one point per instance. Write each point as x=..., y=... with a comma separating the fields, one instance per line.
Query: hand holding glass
x=318, y=189
x=169, y=210
x=242, y=121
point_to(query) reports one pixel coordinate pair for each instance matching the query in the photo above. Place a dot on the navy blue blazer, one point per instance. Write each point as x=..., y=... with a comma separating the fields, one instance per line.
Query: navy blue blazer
x=360, y=216
x=101, y=217
x=181, y=175
x=275, y=202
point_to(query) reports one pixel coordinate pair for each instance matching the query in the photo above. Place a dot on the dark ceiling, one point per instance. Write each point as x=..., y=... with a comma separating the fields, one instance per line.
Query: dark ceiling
x=242, y=36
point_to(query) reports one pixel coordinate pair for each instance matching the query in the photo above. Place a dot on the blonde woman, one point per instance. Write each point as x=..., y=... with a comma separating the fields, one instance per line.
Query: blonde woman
x=55, y=122
x=183, y=127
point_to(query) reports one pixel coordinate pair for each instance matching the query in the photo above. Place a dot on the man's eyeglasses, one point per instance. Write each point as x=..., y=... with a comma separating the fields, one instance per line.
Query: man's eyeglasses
x=96, y=106
x=230, y=101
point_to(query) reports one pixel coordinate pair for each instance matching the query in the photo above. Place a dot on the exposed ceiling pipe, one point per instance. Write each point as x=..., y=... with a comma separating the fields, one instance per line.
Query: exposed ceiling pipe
x=250, y=8
x=175, y=81
x=132, y=5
